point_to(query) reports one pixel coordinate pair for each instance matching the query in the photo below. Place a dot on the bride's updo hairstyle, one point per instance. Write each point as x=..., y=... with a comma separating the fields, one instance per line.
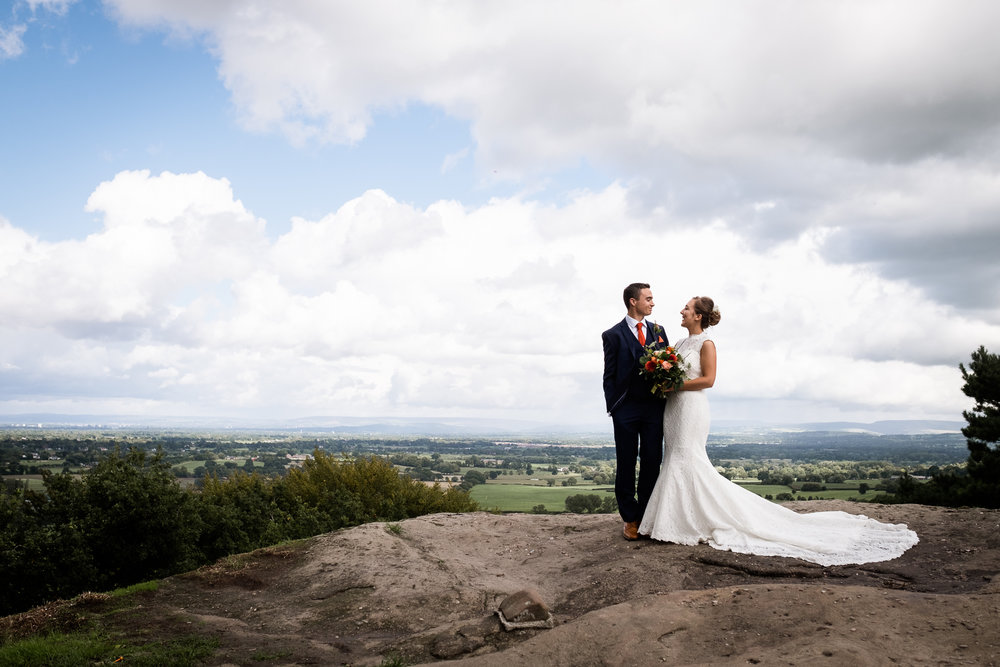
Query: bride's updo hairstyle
x=710, y=315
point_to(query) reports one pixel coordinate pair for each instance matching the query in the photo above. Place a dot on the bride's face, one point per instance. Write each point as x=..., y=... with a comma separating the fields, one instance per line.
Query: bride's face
x=688, y=316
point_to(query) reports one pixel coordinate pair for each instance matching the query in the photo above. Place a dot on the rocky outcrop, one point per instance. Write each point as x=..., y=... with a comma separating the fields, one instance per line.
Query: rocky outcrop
x=429, y=590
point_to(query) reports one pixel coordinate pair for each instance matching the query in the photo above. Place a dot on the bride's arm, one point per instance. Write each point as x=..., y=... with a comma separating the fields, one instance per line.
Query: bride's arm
x=707, y=378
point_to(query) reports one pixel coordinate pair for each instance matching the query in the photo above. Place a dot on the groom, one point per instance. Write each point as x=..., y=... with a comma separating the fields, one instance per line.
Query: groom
x=636, y=413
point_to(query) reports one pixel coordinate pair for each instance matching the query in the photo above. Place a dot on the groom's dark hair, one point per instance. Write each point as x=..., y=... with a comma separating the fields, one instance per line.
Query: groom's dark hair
x=632, y=292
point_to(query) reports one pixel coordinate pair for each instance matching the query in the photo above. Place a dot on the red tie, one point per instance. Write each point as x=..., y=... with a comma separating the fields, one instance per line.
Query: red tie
x=642, y=336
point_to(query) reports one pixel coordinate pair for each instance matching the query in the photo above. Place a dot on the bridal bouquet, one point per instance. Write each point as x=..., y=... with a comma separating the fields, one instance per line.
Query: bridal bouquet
x=663, y=368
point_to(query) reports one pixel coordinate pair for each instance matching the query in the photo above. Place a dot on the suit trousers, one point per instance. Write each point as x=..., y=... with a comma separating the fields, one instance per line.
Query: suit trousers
x=638, y=428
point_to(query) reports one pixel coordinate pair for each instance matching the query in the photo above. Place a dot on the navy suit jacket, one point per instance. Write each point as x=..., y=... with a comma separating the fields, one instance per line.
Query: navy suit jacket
x=622, y=382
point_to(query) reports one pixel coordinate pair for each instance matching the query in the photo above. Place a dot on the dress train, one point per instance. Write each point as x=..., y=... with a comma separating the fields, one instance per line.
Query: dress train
x=693, y=503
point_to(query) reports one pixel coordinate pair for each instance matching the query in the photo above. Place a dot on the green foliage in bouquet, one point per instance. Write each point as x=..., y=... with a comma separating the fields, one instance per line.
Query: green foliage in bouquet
x=664, y=368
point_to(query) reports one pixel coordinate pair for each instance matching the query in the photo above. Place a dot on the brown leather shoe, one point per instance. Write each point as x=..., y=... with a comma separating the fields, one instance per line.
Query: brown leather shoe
x=631, y=530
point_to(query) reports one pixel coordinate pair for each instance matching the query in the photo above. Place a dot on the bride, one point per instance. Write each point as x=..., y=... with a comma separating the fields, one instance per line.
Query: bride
x=693, y=503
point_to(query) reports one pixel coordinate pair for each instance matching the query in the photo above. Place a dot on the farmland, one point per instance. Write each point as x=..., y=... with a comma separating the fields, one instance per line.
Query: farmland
x=500, y=474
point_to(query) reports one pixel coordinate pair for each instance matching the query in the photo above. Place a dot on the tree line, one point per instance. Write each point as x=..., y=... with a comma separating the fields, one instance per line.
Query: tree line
x=127, y=520
x=978, y=485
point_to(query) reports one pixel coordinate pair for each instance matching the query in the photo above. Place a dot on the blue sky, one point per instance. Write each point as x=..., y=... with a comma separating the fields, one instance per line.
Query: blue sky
x=314, y=208
x=93, y=98
x=99, y=98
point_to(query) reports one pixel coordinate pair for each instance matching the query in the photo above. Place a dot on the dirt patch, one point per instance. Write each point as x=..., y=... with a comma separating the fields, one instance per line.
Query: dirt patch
x=427, y=590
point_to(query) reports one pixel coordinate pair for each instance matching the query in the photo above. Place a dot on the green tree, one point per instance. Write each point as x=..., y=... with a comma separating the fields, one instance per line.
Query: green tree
x=581, y=503
x=979, y=484
x=422, y=474
x=982, y=384
x=139, y=522
x=41, y=558
x=360, y=490
x=127, y=520
x=475, y=477
x=124, y=522
x=238, y=514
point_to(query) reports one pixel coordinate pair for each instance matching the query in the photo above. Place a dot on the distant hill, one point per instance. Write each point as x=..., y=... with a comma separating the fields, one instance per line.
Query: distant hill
x=446, y=426
x=441, y=426
x=887, y=427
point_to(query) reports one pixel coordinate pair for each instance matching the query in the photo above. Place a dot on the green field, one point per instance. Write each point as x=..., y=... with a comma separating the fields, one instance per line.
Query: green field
x=832, y=494
x=34, y=481
x=191, y=465
x=539, y=480
x=767, y=489
x=508, y=495
x=521, y=498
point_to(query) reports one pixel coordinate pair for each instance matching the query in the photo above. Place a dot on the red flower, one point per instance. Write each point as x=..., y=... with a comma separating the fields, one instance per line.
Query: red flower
x=663, y=369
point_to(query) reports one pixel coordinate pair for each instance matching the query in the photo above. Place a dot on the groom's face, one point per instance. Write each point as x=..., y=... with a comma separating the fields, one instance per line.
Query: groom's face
x=644, y=304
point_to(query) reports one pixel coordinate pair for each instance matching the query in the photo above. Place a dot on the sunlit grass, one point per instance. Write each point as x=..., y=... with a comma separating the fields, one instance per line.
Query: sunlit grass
x=91, y=648
x=57, y=649
x=522, y=498
x=146, y=586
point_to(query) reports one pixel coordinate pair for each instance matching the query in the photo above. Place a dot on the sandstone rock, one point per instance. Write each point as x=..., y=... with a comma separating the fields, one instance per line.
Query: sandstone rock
x=447, y=646
x=524, y=609
x=466, y=639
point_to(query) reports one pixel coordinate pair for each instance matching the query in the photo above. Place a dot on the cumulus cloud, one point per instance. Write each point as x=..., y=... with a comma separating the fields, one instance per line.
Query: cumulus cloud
x=162, y=236
x=835, y=112
x=621, y=77
x=181, y=304
x=827, y=171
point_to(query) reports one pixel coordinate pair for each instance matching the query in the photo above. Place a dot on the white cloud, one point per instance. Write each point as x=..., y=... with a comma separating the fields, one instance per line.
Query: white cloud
x=618, y=77
x=12, y=36
x=55, y=6
x=180, y=303
x=11, y=41
x=162, y=235
x=828, y=171
x=876, y=119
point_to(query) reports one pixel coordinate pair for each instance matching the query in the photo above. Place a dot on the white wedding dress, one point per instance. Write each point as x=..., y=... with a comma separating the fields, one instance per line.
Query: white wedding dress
x=693, y=503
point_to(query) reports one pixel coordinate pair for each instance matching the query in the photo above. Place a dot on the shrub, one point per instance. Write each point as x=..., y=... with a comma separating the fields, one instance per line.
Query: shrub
x=128, y=520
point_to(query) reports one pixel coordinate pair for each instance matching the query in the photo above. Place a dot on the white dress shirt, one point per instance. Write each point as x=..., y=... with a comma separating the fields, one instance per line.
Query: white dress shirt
x=647, y=330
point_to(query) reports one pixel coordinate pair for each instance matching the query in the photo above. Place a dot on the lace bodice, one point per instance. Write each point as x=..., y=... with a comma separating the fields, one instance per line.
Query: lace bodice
x=690, y=350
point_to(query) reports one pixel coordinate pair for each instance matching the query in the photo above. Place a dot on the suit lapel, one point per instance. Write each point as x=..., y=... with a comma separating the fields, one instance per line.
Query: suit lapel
x=655, y=335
